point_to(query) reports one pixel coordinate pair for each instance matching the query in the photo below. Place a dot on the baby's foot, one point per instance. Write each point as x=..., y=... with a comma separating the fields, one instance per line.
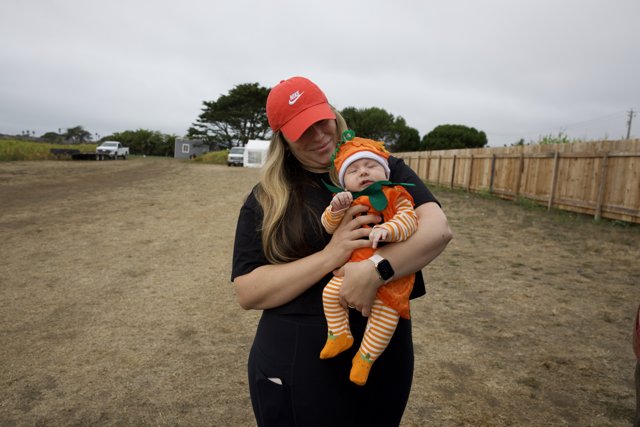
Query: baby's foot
x=335, y=345
x=361, y=365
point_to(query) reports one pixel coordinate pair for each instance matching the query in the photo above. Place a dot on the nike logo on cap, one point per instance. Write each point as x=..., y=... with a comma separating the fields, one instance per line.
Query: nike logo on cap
x=293, y=98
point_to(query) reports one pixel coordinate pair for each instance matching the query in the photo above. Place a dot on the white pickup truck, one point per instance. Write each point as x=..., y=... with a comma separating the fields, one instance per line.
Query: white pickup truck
x=112, y=150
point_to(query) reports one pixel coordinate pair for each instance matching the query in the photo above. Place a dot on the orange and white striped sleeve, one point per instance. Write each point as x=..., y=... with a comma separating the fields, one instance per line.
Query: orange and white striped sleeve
x=403, y=224
x=330, y=220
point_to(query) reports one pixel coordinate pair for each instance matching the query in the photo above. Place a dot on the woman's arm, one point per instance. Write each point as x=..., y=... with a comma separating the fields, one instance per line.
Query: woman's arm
x=361, y=281
x=272, y=285
x=430, y=239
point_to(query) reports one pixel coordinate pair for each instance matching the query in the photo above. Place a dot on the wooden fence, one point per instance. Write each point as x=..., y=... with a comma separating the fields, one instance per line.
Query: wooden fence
x=596, y=178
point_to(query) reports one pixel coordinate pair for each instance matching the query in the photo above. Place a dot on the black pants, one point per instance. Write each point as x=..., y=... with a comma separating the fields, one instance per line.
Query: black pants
x=291, y=386
x=636, y=422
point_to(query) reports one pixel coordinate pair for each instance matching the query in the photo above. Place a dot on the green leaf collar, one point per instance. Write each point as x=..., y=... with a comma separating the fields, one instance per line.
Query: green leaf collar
x=376, y=196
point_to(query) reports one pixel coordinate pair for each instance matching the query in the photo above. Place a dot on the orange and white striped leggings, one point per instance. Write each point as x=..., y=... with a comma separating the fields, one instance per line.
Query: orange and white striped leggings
x=381, y=324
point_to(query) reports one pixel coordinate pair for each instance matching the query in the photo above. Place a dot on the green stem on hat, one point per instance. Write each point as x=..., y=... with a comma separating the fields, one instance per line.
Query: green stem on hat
x=346, y=136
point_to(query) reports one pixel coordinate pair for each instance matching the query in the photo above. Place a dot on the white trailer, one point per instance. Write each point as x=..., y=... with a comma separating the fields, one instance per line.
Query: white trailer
x=255, y=153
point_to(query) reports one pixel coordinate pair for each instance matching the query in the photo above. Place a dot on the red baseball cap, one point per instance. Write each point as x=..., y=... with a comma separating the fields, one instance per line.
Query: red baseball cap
x=295, y=104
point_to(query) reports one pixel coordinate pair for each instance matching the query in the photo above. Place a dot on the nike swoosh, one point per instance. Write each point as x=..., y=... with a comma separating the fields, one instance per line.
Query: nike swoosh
x=294, y=97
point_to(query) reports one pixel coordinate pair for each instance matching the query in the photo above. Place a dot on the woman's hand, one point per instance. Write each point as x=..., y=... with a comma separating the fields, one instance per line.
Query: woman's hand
x=359, y=286
x=350, y=234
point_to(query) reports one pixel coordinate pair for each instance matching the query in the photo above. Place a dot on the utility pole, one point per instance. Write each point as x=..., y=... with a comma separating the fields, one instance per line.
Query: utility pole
x=631, y=114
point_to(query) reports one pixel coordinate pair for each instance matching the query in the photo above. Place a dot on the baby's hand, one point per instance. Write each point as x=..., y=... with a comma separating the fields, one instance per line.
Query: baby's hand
x=378, y=234
x=341, y=201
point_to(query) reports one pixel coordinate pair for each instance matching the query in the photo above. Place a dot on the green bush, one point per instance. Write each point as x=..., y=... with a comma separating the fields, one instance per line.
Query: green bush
x=213, y=157
x=13, y=150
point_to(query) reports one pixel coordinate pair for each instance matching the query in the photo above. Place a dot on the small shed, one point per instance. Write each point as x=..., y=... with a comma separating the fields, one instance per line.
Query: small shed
x=189, y=148
x=255, y=153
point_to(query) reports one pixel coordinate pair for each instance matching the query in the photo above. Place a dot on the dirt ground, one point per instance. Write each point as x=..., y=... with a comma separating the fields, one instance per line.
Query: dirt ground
x=116, y=306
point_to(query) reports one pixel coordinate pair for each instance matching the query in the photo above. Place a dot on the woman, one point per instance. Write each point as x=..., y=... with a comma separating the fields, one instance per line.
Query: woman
x=283, y=258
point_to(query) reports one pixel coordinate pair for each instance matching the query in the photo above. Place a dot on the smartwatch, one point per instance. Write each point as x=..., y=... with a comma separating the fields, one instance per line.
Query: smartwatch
x=383, y=267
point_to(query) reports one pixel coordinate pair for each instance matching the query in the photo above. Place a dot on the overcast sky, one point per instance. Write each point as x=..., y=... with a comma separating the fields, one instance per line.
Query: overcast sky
x=514, y=69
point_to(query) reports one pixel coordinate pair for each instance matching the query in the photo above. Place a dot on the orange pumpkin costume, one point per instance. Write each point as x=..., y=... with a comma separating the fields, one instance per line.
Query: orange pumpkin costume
x=395, y=293
x=395, y=205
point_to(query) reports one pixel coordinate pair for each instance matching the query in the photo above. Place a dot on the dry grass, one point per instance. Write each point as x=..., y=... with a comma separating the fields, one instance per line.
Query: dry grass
x=116, y=306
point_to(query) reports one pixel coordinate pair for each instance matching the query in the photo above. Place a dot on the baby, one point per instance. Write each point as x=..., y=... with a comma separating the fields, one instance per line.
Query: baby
x=363, y=171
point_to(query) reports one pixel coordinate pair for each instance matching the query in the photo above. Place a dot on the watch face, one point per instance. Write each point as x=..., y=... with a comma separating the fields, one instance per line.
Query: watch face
x=385, y=270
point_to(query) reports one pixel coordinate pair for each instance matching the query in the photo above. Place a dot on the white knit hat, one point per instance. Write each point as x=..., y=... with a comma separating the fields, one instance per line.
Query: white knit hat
x=362, y=155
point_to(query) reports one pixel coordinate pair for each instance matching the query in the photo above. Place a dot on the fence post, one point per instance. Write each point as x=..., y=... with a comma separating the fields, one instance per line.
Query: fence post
x=602, y=187
x=439, y=162
x=519, y=172
x=426, y=169
x=493, y=169
x=453, y=171
x=554, y=177
x=470, y=173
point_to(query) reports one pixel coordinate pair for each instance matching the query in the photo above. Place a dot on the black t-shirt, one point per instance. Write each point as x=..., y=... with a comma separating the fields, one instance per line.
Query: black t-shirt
x=248, y=254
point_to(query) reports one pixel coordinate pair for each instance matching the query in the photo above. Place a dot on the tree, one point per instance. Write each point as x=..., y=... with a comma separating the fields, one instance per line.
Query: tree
x=144, y=141
x=408, y=137
x=77, y=135
x=376, y=123
x=448, y=137
x=234, y=118
x=52, y=137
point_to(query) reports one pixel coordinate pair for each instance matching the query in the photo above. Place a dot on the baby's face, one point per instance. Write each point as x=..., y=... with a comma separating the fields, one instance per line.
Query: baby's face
x=362, y=173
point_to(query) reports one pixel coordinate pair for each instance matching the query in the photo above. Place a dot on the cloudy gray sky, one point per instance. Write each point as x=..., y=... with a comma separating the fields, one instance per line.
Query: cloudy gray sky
x=512, y=68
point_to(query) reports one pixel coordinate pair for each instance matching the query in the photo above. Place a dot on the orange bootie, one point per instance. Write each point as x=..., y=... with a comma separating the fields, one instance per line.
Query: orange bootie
x=335, y=345
x=360, y=367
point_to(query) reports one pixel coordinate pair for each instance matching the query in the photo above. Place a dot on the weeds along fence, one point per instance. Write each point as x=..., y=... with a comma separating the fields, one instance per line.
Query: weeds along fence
x=597, y=178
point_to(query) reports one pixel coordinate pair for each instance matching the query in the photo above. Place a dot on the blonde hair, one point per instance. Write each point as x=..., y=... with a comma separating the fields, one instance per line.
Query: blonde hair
x=281, y=196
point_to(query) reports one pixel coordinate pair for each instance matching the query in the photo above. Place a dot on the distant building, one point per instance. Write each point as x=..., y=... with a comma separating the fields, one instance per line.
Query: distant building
x=189, y=148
